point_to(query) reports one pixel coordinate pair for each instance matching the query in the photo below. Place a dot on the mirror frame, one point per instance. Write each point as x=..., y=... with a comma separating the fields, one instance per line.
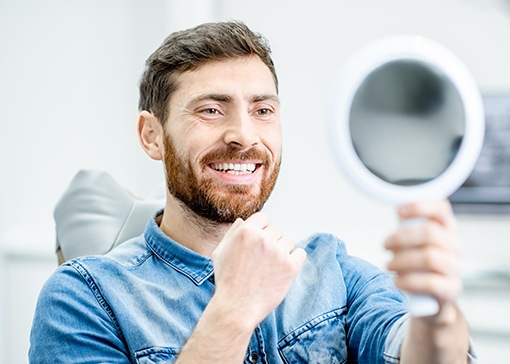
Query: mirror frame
x=345, y=86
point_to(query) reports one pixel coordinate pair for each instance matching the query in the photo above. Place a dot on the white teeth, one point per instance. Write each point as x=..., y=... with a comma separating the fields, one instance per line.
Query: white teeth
x=236, y=168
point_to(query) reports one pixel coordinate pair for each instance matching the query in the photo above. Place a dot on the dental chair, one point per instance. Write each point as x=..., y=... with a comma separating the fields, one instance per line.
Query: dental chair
x=95, y=214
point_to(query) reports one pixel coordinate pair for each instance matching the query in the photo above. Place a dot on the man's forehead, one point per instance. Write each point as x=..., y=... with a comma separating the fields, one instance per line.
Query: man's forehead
x=223, y=79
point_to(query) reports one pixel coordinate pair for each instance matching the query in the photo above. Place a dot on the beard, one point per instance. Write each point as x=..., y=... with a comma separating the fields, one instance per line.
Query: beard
x=213, y=200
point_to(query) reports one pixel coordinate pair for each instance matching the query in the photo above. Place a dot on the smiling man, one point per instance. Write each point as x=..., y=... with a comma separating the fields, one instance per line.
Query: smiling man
x=221, y=144
x=212, y=279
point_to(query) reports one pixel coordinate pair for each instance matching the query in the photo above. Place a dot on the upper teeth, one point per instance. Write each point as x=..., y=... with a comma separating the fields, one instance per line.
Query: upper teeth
x=236, y=168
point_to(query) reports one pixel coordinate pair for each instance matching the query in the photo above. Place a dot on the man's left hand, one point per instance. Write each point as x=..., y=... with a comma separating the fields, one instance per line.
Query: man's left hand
x=427, y=256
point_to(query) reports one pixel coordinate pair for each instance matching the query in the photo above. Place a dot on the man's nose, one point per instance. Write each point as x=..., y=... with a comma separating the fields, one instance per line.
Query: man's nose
x=241, y=131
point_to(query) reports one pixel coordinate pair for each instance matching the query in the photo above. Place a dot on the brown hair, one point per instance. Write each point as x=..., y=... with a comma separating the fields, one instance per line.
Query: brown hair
x=189, y=49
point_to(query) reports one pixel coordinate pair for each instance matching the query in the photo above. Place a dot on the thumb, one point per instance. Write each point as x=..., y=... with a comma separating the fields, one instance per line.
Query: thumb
x=233, y=228
x=226, y=237
x=298, y=258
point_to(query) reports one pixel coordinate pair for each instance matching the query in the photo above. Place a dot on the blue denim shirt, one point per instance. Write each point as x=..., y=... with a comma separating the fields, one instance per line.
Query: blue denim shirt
x=141, y=302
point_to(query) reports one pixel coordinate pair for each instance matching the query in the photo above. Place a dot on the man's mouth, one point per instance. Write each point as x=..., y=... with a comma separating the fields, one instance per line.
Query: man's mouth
x=234, y=168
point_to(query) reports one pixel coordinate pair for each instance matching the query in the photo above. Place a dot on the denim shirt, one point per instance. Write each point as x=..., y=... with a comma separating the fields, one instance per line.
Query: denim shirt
x=141, y=302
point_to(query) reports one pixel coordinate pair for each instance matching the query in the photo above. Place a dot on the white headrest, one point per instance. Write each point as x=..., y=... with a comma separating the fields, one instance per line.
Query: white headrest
x=96, y=213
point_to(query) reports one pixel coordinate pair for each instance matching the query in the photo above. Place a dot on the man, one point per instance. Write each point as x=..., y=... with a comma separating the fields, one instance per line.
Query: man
x=212, y=279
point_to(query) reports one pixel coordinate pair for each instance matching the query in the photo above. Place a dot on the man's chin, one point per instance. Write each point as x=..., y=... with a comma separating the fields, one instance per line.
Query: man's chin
x=244, y=193
x=238, y=205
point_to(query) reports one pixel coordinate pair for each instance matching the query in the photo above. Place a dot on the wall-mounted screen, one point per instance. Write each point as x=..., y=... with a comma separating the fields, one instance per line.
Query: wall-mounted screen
x=487, y=190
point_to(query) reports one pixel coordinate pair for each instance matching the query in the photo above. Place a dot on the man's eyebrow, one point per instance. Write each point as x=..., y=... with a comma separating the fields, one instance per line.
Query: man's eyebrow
x=258, y=98
x=227, y=98
x=214, y=97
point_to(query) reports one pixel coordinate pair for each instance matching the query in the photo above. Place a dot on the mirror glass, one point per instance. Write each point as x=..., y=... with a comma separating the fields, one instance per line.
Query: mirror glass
x=407, y=122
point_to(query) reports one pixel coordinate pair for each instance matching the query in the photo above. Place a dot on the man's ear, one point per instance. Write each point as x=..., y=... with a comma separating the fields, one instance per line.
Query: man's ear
x=150, y=134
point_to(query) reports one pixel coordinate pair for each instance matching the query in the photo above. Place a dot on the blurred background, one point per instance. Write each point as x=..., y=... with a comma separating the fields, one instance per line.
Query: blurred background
x=68, y=95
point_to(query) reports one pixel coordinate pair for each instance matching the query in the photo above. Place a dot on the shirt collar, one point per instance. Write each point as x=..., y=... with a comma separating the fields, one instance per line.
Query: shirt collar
x=191, y=264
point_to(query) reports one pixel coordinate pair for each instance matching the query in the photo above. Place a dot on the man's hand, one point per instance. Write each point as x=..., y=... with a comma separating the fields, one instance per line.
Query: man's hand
x=255, y=266
x=427, y=256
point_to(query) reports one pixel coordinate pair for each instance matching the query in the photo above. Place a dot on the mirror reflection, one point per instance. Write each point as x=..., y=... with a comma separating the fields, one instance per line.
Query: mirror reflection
x=407, y=122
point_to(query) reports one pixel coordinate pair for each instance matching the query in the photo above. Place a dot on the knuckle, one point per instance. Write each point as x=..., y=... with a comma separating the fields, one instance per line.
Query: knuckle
x=429, y=258
x=290, y=243
x=433, y=285
x=395, y=240
x=244, y=231
x=432, y=232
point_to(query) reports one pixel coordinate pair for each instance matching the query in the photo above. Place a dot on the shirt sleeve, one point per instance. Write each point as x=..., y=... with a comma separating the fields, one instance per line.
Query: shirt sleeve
x=472, y=356
x=374, y=305
x=394, y=340
x=396, y=336
x=73, y=324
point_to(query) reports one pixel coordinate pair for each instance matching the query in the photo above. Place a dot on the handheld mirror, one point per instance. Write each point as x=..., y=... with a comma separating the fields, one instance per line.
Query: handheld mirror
x=407, y=125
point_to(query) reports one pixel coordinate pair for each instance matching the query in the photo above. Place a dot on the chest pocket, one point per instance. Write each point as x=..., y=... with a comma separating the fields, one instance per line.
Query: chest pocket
x=157, y=355
x=321, y=340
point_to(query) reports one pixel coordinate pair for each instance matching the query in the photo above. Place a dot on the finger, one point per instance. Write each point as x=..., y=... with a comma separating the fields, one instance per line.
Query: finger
x=273, y=232
x=443, y=289
x=273, y=235
x=298, y=258
x=233, y=227
x=425, y=260
x=272, y=238
x=430, y=233
x=226, y=238
x=286, y=244
x=258, y=220
x=436, y=210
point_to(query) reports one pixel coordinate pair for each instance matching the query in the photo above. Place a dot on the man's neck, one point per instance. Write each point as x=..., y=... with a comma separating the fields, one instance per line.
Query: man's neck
x=191, y=230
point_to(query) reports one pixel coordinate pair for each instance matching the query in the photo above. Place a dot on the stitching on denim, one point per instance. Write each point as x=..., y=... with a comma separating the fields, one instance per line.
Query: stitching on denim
x=142, y=260
x=389, y=359
x=97, y=294
x=145, y=352
x=262, y=347
x=180, y=269
x=337, y=312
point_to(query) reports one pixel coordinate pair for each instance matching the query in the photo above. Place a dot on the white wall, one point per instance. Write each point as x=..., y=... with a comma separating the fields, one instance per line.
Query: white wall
x=69, y=72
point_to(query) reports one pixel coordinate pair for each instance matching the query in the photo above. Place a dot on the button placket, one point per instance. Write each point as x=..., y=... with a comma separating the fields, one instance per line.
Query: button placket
x=255, y=352
x=253, y=357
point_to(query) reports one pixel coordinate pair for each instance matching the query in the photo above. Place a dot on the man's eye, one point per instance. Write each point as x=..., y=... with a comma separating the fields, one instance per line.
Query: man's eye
x=211, y=111
x=263, y=112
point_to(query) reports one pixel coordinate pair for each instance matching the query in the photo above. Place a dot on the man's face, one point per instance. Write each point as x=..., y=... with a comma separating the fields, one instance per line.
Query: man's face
x=223, y=139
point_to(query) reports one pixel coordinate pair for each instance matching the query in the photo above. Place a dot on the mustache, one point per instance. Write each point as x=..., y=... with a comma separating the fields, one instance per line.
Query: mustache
x=231, y=153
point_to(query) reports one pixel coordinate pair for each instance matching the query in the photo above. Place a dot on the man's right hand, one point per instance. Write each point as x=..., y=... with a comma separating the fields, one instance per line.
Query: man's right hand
x=255, y=266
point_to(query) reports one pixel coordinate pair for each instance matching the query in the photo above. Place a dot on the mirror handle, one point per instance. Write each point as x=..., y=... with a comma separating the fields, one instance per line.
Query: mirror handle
x=420, y=305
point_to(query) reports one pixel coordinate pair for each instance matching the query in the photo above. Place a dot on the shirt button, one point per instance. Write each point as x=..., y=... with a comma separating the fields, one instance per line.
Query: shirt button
x=253, y=357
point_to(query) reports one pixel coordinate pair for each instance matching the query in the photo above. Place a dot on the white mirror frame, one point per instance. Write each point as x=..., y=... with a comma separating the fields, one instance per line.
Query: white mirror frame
x=427, y=52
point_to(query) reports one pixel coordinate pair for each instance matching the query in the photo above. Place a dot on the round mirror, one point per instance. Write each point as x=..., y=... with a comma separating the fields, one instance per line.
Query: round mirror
x=407, y=125
x=407, y=121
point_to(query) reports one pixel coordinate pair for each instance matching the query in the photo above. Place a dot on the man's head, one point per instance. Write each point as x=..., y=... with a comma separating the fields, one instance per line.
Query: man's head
x=211, y=112
x=189, y=49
